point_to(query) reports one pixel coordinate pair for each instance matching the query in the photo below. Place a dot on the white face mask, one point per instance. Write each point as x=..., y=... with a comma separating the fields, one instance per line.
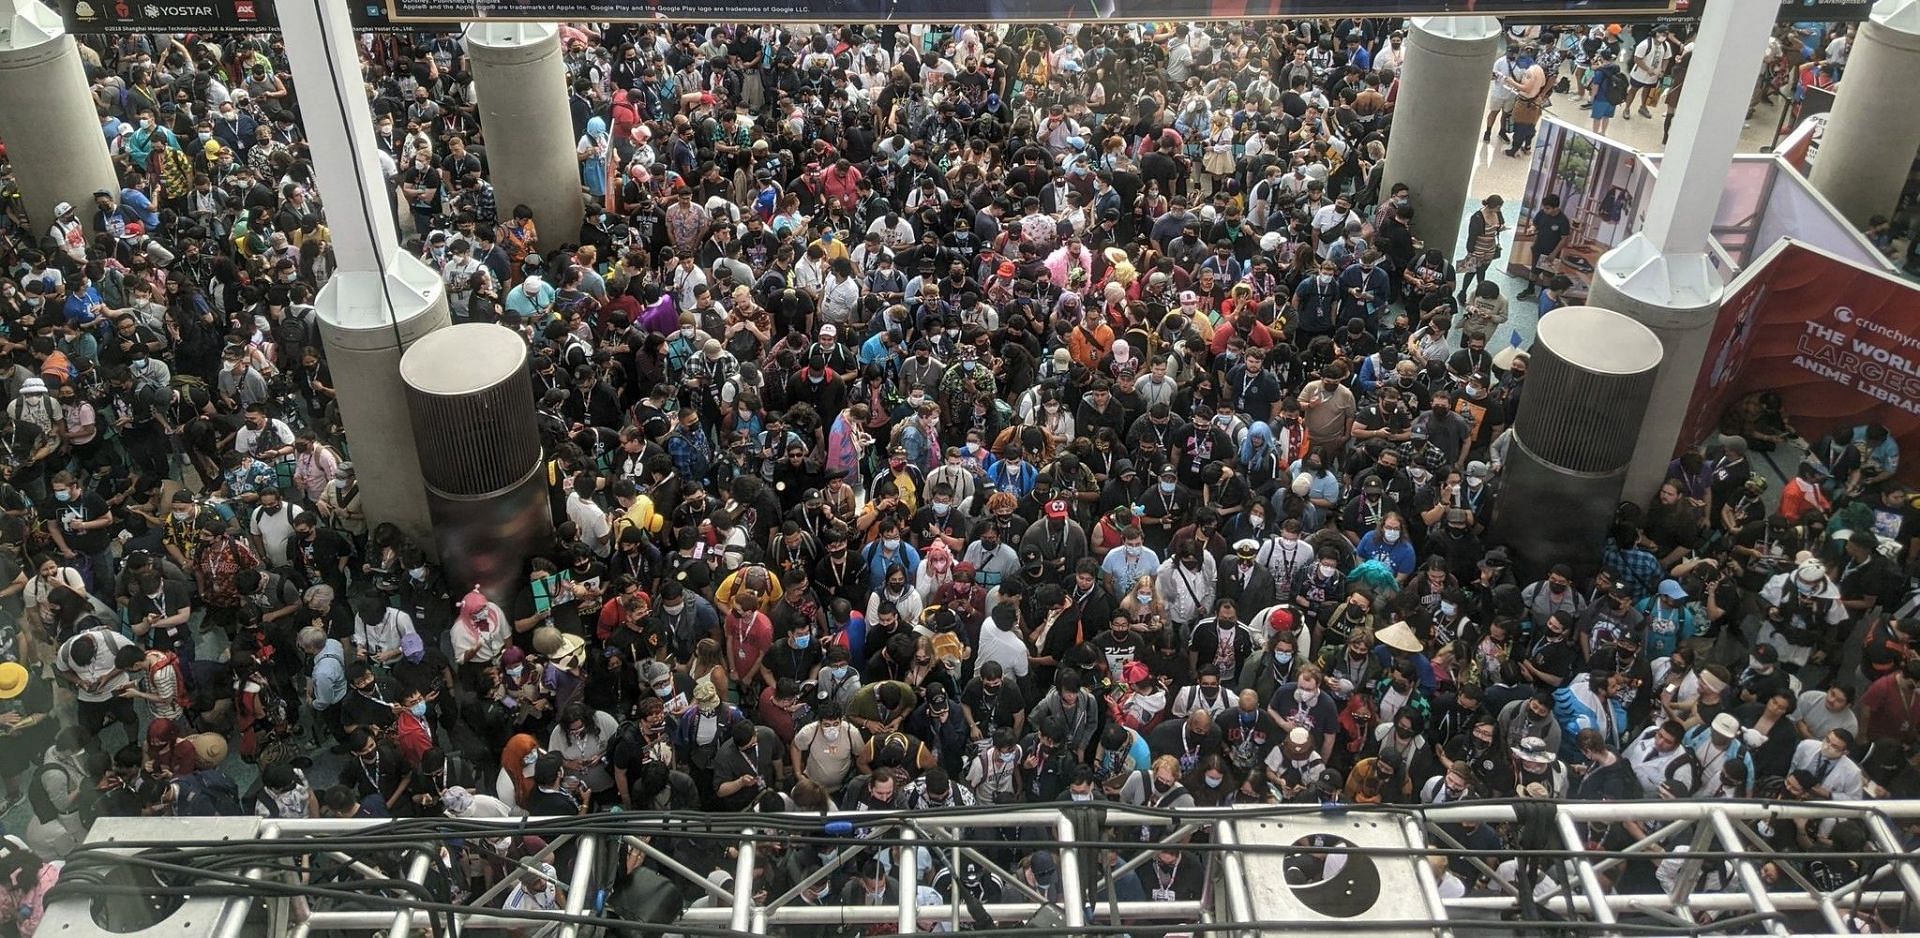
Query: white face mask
x=1392, y=535
x=832, y=733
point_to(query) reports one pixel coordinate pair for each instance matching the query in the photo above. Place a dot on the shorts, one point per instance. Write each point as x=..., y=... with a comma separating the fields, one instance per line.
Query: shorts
x=1637, y=83
x=1602, y=108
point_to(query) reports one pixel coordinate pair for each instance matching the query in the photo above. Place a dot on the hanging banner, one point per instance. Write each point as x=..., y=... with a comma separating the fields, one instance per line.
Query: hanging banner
x=1020, y=11
x=1838, y=342
x=1791, y=11
x=83, y=17
x=1601, y=185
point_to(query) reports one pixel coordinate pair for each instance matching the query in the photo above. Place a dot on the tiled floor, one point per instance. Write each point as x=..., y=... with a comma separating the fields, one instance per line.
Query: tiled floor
x=1496, y=173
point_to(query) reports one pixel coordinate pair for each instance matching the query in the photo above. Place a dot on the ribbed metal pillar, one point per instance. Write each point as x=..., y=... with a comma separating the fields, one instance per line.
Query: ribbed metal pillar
x=472, y=406
x=1590, y=376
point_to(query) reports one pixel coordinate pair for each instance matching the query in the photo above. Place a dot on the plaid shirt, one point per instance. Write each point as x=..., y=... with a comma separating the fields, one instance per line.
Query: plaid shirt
x=1640, y=572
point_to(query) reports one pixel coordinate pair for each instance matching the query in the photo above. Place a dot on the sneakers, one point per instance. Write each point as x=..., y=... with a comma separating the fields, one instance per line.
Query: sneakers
x=1486, y=136
x=1526, y=294
x=1586, y=105
x=1645, y=113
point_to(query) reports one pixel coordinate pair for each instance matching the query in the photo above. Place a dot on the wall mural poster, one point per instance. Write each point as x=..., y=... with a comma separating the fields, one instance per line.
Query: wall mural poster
x=1835, y=340
x=1601, y=186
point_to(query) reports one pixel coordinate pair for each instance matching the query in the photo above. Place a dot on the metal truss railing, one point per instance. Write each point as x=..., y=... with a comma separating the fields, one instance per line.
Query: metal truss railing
x=1721, y=874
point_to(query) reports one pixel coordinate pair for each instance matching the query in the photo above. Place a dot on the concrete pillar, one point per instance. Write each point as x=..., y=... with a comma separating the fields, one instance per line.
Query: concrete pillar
x=47, y=117
x=1663, y=277
x=381, y=299
x=1436, y=121
x=472, y=407
x=1874, y=131
x=1590, y=375
x=520, y=83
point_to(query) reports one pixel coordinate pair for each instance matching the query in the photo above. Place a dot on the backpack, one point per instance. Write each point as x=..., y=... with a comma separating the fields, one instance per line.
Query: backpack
x=182, y=681
x=44, y=810
x=1617, y=87
x=207, y=794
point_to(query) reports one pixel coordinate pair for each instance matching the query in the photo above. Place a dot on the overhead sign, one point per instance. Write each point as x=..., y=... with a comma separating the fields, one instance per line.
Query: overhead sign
x=1791, y=11
x=1023, y=11
x=212, y=16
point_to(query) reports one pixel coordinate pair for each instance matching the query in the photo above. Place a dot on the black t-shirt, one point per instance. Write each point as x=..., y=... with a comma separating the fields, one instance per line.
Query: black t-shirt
x=88, y=507
x=1548, y=231
x=1555, y=658
x=784, y=660
x=173, y=597
x=997, y=709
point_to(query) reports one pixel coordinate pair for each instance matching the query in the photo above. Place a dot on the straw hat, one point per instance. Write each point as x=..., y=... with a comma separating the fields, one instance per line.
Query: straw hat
x=1399, y=637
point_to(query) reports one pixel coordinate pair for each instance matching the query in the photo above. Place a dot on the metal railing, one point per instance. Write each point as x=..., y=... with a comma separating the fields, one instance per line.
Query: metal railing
x=1718, y=867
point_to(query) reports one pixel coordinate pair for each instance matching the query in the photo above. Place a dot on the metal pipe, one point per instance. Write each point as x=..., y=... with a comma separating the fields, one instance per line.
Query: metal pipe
x=1076, y=910
x=1429, y=883
x=880, y=914
x=580, y=885
x=908, y=867
x=1750, y=880
x=1698, y=902
x=233, y=920
x=686, y=872
x=1239, y=902
x=741, y=914
x=416, y=873
x=1890, y=842
x=521, y=867
x=1589, y=880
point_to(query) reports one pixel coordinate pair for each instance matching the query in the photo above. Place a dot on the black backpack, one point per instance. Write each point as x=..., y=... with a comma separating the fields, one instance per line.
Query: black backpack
x=44, y=810
x=1617, y=87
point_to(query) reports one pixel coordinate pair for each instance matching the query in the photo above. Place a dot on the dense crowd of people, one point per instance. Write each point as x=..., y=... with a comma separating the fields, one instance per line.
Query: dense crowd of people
x=934, y=417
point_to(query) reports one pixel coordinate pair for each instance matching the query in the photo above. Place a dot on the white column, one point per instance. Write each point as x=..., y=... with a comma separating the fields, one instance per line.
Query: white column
x=1437, y=119
x=520, y=83
x=381, y=299
x=1662, y=276
x=1874, y=130
x=47, y=116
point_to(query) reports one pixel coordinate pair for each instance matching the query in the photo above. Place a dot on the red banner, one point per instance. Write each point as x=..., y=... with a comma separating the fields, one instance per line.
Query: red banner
x=1839, y=342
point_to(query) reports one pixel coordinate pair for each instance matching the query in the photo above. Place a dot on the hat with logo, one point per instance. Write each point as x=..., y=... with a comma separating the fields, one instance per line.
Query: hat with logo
x=1534, y=749
x=1726, y=724
x=1057, y=509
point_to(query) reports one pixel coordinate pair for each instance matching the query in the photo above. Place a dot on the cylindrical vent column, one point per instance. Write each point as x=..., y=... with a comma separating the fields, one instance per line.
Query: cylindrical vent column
x=471, y=402
x=1590, y=376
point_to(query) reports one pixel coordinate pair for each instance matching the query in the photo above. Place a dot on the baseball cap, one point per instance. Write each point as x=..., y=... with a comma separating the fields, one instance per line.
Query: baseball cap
x=1057, y=509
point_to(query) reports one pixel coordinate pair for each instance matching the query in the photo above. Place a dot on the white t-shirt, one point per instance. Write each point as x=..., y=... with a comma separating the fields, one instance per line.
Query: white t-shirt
x=275, y=531
x=100, y=671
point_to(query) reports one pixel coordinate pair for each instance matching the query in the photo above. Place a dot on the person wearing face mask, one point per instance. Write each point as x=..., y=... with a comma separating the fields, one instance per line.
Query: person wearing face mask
x=1388, y=542
x=1828, y=761
x=1304, y=703
x=1245, y=581
x=413, y=735
x=1552, y=594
